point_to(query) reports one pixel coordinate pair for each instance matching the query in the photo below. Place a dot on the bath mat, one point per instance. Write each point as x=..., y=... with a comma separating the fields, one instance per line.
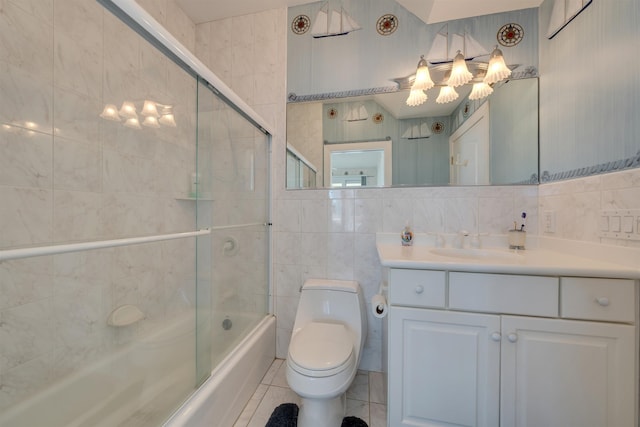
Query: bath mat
x=286, y=415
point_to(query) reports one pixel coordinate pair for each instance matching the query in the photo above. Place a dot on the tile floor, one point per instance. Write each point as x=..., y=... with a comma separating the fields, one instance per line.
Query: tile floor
x=365, y=398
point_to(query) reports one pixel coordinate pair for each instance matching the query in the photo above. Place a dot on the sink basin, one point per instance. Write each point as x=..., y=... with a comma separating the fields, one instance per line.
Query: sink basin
x=478, y=254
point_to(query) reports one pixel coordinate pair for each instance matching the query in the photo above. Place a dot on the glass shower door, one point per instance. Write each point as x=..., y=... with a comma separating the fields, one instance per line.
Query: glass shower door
x=233, y=169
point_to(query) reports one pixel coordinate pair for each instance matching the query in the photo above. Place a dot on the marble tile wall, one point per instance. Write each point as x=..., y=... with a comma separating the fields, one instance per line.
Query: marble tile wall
x=67, y=175
x=577, y=204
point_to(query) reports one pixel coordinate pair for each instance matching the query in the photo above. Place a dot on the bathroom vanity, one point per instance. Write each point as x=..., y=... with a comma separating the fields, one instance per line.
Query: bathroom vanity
x=498, y=338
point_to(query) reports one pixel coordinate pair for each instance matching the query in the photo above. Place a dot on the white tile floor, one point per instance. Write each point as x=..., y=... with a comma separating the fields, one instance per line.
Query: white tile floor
x=365, y=398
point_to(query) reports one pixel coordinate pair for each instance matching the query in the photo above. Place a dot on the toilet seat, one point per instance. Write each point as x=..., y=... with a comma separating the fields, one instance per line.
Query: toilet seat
x=321, y=349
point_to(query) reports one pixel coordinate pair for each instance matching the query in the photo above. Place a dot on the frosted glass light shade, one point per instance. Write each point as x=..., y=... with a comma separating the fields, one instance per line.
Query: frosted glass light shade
x=497, y=69
x=149, y=109
x=416, y=97
x=110, y=112
x=480, y=90
x=447, y=94
x=460, y=74
x=128, y=110
x=423, y=77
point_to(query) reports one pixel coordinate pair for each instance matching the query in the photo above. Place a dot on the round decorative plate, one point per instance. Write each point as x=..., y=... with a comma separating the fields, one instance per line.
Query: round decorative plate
x=437, y=127
x=510, y=35
x=378, y=118
x=387, y=24
x=300, y=24
x=332, y=113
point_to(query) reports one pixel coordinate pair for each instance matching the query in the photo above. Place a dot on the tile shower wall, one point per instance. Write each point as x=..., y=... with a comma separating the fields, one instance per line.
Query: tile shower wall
x=67, y=175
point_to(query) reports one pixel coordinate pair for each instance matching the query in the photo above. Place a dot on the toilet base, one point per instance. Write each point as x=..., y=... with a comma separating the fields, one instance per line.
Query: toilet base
x=322, y=412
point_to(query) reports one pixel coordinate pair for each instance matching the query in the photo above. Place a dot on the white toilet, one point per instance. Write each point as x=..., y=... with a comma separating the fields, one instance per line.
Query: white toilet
x=325, y=349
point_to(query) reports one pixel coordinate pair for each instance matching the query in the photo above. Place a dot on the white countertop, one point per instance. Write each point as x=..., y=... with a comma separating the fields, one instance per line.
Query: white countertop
x=543, y=256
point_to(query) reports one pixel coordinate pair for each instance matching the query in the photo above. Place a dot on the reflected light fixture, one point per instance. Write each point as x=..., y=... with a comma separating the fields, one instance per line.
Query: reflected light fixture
x=480, y=90
x=167, y=118
x=460, y=74
x=110, y=112
x=128, y=110
x=150, y=109
x=447, y=94
x=132, y=123
x=151, y=121
x=416, y=97
x=497, y=69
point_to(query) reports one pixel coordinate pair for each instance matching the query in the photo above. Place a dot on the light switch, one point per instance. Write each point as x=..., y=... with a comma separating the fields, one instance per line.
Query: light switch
x=614, y=224
x=627, y=224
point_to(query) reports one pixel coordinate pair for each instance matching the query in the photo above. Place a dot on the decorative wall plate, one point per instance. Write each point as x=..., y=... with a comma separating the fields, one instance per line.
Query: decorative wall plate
x=387, y=24
x=437, y=127
x=378, y=118
x=510, y=35
x=300, y=24
x=332, y=113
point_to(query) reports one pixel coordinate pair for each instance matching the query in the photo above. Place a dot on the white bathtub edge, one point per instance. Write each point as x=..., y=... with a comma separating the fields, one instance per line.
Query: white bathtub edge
x=220, y=399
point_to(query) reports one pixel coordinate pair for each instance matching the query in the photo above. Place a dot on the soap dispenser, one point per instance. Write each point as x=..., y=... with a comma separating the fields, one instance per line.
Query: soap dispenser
x=407, y=235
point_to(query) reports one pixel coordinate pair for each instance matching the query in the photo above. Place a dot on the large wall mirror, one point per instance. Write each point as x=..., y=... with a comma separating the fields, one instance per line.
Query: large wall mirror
x=467, y=143
x=349, y=123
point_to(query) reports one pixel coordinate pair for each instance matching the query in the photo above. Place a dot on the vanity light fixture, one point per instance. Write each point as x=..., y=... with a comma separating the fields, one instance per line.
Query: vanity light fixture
x=128, y=110
x=416, y=97
x=447, y=94
x=151, y=121
x=167, y=118
x=480, y=90
x=460, y=74
x=423, y=77
x=132, y=123
x=152, y=118
x=497, y=69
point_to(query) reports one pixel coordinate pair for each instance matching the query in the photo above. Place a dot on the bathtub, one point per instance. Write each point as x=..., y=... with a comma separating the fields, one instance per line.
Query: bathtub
x=221, y=398
x=113, y=390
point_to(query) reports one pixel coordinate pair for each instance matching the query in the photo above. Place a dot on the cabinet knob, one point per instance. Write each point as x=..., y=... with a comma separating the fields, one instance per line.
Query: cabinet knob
x=419, y=289
x=512, y=337
x=603, y=301
x=496, y=336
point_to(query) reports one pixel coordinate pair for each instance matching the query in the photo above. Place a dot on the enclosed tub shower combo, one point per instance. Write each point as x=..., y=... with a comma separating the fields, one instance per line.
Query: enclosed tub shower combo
x=135, y=240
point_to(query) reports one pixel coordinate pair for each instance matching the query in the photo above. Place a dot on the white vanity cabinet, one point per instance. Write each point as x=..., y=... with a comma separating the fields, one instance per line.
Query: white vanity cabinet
x=508, y=350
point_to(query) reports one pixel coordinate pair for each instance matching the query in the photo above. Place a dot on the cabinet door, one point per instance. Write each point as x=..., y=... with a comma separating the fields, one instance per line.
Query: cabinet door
x=443, y=368
x=560, y=373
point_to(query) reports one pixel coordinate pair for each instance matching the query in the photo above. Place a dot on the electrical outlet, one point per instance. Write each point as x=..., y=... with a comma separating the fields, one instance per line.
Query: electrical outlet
x=549, y=221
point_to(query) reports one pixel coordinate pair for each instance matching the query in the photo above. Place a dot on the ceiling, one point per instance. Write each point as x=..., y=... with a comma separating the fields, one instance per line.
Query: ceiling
x=429, y=11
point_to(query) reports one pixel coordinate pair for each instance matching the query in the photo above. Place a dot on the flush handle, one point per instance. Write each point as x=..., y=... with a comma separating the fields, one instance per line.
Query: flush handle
x=419, y=289
x=603, y=301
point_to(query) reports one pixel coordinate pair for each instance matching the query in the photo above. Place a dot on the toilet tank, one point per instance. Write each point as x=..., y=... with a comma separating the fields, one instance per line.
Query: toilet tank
x=340, y=301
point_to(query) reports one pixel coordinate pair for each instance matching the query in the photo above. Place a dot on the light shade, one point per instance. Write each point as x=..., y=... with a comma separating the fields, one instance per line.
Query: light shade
x=128, y=110
x=132, y=123
x=151, y=122
x=167, y=120
x=497, y=69
x=460, y=74
x=423, y=77
x=480, y=90
x=110, y=112
x=416, y=97
x=447, y=94
x=149, y=109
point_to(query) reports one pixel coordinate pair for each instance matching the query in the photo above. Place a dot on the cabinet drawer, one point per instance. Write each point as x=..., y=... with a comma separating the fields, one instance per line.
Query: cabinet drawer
x=417, y=288
x=611, y=300
x=503, y=293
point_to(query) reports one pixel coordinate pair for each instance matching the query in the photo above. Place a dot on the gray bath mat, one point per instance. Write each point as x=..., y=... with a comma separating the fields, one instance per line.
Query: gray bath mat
x=286, y=415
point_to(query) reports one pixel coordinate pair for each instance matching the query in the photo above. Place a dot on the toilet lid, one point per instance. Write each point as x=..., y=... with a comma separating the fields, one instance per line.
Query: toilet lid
x=321, y=346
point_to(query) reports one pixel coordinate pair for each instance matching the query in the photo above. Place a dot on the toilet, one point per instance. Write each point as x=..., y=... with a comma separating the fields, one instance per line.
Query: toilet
x=325, y=349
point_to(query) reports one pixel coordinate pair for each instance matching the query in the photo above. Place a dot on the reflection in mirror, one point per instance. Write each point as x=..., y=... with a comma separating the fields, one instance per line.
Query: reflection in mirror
x=432, y=144
x=357, y=164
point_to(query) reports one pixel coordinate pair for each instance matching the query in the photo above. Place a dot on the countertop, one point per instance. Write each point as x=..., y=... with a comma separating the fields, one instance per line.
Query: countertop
x=548, y=257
